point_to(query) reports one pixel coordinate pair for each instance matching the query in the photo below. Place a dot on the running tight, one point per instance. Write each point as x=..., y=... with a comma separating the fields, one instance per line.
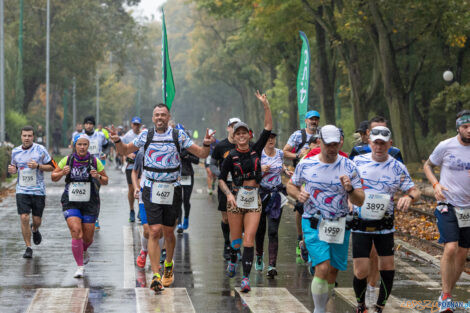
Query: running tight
x=273, y=228
x=187, y=191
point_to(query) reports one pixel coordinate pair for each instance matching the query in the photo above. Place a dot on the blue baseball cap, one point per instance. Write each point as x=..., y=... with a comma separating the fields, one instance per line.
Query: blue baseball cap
x=312, y=113
x=136, y=120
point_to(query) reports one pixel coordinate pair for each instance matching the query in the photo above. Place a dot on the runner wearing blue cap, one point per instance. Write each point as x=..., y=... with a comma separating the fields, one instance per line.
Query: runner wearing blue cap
x=295, y=149
x=133, y=133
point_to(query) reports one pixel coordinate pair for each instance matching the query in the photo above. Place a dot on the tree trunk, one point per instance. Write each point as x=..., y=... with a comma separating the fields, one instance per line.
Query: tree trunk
x=326, y=86
x=394, y=92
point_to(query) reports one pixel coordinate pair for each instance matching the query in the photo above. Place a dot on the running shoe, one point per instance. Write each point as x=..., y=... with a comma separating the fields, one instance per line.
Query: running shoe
x=163, y=256
x=227, y=249
x=272, y=272
x=141, y=259
x=259, y=265
x=79, y=273
x=97, y=225
x=179, y=229
x=303, y=251
x=185, y=223
x=298, y=252
x=378, y=309
x=245, y=285
x=132, y=216
x=361, y=308
x=445, y=305
x=28, y=254
x=231, y=269
x=37, y=237
x=168, y=276
x=156, y=284
x=86, y=257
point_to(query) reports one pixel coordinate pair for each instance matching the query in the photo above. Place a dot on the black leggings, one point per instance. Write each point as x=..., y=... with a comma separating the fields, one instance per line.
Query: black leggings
x=273, y=227
x=187, y=191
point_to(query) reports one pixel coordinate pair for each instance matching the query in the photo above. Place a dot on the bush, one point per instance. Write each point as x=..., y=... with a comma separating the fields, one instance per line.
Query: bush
x=5, y=156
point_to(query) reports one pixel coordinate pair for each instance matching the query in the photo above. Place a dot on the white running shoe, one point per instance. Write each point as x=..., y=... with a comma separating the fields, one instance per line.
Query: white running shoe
x=86, y=257
x=79, y=272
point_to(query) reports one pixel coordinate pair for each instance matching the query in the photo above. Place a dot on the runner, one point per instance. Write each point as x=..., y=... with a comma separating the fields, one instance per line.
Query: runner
x=97, y=143
x=211, y=177
x=133, y=133
x=295, y=149
x=324, y=183
x=220, y=152
x=40, y=136
x=187, y=183
x=81, y=200
x=78, y=130
x=30, y=161
x=452, y=193
x=243, y=201
x=272, y=198
x=162, y=194
x=363, y=148
x=382, y=176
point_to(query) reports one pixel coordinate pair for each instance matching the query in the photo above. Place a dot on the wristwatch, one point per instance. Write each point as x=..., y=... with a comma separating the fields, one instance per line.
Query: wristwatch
x=412, y=198
x=350, y=191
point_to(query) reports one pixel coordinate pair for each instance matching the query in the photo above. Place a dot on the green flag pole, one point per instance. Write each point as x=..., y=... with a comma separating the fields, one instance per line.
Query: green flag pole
x=303, y=79
x=168, y=85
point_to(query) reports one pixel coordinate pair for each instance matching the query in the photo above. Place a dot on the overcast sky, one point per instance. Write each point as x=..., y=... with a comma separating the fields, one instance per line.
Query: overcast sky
x=147, y=8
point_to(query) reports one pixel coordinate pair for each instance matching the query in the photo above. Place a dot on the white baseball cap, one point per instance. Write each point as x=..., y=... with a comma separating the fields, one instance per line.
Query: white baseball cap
x=380, y=133
x=330, y=134
x=233, y=120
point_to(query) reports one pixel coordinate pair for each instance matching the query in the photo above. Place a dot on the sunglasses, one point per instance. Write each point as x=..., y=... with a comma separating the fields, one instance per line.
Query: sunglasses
x=383, y=132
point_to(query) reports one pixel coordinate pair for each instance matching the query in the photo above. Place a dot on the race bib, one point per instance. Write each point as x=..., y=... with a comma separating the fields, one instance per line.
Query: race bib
x=185, y=180
x=463, y=216
x=375, y=206
x=208, y=160
x=79, y=191
x=332, y=231
x=39, y=139
x=27, y=177
x=247, y=198
x=162, y=193
x=93, y=148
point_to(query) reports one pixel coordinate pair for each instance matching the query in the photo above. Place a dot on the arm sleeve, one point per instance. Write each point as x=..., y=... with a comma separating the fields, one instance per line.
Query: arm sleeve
x=262, y=140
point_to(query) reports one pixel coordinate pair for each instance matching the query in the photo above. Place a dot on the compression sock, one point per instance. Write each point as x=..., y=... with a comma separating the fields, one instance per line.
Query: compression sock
x=144, y=242
x=235, y=248
x=330, y=289
x=77, y=251
x=360, y=287
x=386, y=284
x=86, y=245
x=299, y=237
x=247, y=260
x=319, y=289
x=226, y=231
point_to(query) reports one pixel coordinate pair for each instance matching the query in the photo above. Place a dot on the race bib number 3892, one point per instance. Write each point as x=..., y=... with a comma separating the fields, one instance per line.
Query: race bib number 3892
x=375, y=206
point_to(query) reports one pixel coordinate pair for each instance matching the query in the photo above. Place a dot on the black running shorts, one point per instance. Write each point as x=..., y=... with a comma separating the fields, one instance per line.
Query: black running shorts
x=362, y=244
x=30, y=203
x=163, y=214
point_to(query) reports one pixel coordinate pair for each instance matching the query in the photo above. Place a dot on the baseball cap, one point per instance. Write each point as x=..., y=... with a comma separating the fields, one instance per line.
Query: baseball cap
x=136, y=120
x=312, y=113
x=330, y=134
x=363, y=126
x=233, y=120
x=240, y=125
x=380, y=133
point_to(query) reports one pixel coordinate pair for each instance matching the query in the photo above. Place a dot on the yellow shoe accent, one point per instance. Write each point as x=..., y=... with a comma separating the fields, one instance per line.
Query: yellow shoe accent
x=168, y=277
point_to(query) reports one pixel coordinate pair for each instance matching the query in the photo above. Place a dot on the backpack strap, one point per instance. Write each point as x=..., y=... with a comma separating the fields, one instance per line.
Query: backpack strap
x=175, y=141
x=175, y=135
x=69, y=162
x=303, y=132
x=149, y=138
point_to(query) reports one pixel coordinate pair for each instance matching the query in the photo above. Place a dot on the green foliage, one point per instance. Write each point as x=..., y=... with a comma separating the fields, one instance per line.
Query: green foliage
x=5, y=156
x=446, y=104
x=14, y=122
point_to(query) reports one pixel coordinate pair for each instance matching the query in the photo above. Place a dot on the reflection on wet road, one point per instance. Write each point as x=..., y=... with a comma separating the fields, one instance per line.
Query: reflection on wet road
x=113, y=283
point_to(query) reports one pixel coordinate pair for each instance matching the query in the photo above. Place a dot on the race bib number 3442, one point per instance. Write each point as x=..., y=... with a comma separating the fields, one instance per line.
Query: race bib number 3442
x=162, y=193
x=247, y=198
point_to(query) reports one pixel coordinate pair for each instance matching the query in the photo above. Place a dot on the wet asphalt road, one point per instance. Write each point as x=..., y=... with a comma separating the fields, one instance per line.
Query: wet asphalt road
x=199, y=266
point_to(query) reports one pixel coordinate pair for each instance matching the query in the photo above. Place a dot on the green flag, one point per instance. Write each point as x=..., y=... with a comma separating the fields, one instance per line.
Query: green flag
x=168, y=85
x=303, y=79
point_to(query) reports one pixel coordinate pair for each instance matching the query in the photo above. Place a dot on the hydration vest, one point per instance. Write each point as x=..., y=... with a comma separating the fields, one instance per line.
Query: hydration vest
x=150, y=133
x=70, y=162
x=253, y=163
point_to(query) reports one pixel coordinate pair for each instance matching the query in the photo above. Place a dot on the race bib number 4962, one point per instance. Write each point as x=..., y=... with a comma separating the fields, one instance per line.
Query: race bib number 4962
x=79, y=191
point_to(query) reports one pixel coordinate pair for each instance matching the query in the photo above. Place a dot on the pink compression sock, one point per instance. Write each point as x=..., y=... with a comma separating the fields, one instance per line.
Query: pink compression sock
x=77, y=250
x=86, y=245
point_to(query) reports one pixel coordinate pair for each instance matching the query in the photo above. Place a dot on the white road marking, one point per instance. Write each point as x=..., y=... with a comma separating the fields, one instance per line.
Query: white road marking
x=170, y=300
x=269, y=300
x=129, y=268
x=418, y=276
x=393, y=303
x=58, y=300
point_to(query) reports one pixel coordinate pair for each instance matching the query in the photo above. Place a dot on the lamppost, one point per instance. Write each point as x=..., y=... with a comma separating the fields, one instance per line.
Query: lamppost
x=2, y=76
x=48, y=31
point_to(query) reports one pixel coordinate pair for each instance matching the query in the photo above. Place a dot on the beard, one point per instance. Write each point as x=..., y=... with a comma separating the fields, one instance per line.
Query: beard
x=465, y=139
x=312, y=127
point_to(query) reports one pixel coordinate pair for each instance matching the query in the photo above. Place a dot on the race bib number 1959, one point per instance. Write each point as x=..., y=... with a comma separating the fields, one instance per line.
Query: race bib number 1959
x=162, y=193
x=332, y=231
